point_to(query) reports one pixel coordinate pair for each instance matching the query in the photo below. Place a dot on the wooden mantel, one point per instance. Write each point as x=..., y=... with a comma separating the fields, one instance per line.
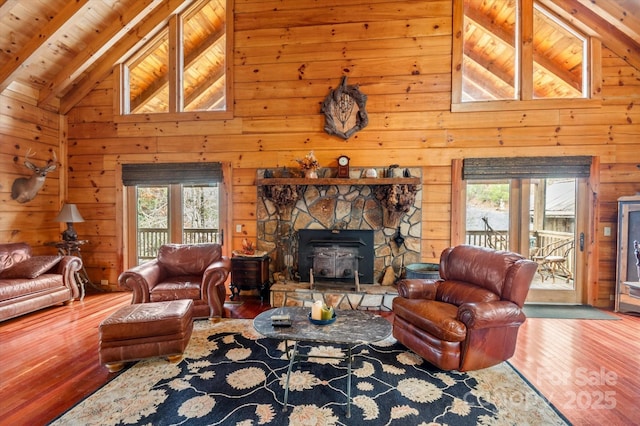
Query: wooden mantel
x=337, y=181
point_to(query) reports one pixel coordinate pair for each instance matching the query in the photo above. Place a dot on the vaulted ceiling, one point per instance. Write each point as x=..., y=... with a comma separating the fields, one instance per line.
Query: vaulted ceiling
x=57, y=51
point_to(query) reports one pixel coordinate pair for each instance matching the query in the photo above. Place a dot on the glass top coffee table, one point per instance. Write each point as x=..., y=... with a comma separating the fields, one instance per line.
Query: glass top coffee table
x=349, y=329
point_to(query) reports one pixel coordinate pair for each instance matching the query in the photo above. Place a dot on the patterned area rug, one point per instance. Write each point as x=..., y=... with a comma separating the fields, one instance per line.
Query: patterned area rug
x=232, y=376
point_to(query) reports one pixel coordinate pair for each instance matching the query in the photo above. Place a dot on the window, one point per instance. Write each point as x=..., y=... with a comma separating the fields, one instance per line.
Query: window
x=184, y=67
x=536, y=206
x=187, y=214
x=493, y=61
x=171, y=203
x=148, y=78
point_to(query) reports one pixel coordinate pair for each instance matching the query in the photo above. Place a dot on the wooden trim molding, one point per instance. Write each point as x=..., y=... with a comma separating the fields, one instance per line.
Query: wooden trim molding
x=458, y=197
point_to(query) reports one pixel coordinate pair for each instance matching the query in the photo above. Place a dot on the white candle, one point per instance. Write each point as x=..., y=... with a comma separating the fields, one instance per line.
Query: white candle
x=316, y=310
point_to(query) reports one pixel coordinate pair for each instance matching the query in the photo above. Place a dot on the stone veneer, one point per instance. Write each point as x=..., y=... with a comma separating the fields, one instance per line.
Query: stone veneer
x=368, y=297
x=336, y=207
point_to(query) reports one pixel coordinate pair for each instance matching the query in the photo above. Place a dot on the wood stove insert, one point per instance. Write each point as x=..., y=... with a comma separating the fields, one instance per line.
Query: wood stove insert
x=335, y=256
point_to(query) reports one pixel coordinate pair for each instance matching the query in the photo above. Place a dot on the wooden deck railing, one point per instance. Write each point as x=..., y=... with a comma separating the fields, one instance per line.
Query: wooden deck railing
x=499, y=240
x=150, y=239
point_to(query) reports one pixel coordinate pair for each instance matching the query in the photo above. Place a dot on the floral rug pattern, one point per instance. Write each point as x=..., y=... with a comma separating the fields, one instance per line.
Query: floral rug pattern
x=231, y=375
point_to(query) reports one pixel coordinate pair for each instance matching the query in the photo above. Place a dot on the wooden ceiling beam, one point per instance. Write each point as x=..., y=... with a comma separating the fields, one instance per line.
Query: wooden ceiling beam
x=150, y=92
x=474, y=92
x=480, y=75
x=505, y=75
x=484, y=23
x=6, y=6
x=204, y=46
x=204, y=86
x=616, y=40
x=622, y=14
x=135, y=38
x=490, y=27
x=162, y=81
x=96, y=49
x=12, y=68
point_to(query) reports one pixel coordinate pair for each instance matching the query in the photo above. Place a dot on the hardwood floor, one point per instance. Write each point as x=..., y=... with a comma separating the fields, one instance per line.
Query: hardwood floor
x=49, y=361
x=588, y=369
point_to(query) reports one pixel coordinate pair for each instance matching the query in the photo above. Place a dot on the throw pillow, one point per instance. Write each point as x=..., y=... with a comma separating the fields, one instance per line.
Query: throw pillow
x=32, y=267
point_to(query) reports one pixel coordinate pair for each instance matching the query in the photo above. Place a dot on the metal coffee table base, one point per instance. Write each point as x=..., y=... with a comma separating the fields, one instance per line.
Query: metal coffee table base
x=296, y=355
x=351, y=328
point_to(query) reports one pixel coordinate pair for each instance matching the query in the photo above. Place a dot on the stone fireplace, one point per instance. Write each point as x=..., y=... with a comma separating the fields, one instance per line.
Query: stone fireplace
x=288, y=206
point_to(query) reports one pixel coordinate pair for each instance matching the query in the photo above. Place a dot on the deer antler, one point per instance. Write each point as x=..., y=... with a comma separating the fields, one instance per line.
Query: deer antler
x=27, y=155
x=54, y=158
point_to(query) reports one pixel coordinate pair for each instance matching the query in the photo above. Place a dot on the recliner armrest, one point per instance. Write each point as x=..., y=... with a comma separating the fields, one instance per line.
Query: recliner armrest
x=141, y=279
x=417, y=288
x=213, y=285
x=501, y=313
x=216, y=272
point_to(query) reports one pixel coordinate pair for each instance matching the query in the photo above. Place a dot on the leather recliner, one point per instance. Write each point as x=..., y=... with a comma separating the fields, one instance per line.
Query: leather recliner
x=182, y=271
x=469, y=318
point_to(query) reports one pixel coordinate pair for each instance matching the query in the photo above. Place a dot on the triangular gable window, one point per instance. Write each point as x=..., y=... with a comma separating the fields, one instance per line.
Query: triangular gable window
x=517, y=50
x=184, y=67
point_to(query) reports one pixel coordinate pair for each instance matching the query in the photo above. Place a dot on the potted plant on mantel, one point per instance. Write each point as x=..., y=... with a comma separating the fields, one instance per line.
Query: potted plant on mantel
x=309, y=165
x=396, y=200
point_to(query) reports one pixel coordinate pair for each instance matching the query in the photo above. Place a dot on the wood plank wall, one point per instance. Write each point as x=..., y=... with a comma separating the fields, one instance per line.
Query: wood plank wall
x=24, y=126
x=288, y=55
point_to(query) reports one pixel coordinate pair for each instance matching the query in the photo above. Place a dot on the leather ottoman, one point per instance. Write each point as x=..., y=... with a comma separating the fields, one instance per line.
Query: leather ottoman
x=146, y=330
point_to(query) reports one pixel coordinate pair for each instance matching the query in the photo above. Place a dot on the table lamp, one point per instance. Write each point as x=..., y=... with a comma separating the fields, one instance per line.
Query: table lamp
x=69, y=214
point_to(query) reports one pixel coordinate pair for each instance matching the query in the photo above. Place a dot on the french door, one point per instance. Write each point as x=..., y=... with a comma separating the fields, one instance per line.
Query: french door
x=543, y=219
x=173, y=213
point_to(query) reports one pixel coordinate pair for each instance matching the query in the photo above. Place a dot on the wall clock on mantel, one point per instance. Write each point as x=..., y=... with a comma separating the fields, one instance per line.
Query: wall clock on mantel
x=343, y=166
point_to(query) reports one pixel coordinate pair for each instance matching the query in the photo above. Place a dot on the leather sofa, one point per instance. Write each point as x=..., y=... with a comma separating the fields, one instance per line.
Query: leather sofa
x=182, y=271
x=29, y=283
x=469, y=318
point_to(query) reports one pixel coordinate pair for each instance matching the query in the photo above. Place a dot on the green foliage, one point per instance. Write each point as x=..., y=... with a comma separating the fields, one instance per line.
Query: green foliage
x=488, y=194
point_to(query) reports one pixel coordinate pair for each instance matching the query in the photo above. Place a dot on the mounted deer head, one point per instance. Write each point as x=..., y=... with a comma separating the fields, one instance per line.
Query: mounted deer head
x=25, y=189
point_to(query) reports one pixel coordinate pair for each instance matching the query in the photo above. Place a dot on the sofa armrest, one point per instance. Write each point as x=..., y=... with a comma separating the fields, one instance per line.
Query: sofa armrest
x=213, y=289
x=502, y=313
x=68, y=267
x=417, y=288
x=141, y=279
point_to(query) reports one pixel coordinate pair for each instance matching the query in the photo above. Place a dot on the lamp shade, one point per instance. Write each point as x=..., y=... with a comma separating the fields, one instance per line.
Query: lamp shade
x=69, y=213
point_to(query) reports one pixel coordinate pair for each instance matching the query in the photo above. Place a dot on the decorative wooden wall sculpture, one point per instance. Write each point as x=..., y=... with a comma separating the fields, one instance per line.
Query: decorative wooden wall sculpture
x=344, y=110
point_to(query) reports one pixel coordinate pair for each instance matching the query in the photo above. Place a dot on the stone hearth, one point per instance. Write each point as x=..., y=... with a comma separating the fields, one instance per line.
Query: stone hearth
x=369, y=297
x=319, y=204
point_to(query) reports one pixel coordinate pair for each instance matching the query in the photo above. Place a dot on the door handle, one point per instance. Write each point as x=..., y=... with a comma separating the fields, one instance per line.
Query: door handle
x=582, y=241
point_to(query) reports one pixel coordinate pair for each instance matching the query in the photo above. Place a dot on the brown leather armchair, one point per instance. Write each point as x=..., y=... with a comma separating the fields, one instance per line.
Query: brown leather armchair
x=182, y=271
x=468, y=319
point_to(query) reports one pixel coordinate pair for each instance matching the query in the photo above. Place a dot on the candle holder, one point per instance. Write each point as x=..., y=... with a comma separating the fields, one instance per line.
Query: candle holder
x=321, y=321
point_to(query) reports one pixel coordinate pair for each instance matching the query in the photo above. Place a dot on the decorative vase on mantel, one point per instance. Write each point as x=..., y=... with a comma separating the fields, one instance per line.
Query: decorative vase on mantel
x=309, y=165
x=311, y=174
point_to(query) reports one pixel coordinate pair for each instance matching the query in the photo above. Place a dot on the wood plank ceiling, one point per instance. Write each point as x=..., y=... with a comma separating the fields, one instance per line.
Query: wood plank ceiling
x=58, y=50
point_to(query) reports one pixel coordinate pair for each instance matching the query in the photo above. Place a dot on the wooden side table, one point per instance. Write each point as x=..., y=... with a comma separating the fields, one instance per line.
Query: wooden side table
x=248, y=273
x=72, y=248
